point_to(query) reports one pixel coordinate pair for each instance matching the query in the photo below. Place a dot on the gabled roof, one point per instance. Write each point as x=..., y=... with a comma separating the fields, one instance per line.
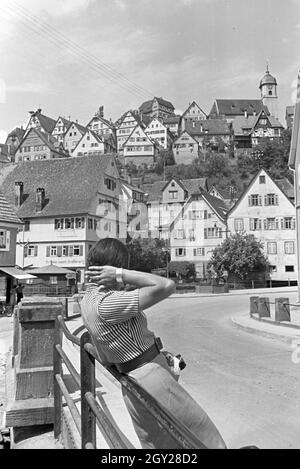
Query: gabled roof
x=217, y=205
x=241, y=123
x=102, y=119
x=18, y=133
x=98, y=138
x=192, y=186
x=70, y=184
x=7, y=213
x=223, y=193
x=188, y=134
x=191, y=105
x=208, y=127
x=146, y=107
x=286, y=186
x=48, y=140
x=280, y=186
x=67, y=123
x=231, y=107
x=47, y=123
x=133, y=131
x=50, y=269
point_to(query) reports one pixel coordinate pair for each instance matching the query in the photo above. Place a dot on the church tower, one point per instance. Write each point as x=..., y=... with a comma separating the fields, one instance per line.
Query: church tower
x=268, y=91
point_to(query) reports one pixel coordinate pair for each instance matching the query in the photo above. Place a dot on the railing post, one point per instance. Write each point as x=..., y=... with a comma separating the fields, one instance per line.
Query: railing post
x=254, y=305
x=264, y=307
x=57, y=370
x=87, y=372
x=282, y=309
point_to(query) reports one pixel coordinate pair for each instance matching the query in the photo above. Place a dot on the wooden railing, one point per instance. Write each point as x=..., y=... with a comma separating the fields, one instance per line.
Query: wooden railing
x=91, y=414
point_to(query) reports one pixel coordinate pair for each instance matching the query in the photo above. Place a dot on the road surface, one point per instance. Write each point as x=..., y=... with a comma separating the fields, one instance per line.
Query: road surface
x=248, y=384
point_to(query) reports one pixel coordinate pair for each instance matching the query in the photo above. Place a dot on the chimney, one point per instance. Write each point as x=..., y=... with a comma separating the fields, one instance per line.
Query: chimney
x=101, y=111
x=19, y=187
x=39, y=199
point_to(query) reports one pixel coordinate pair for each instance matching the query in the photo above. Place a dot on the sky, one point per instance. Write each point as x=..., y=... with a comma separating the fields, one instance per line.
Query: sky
x=68, y=57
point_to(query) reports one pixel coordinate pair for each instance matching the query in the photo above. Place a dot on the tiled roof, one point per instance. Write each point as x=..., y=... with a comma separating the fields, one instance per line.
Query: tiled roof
x=216, y=204
x=154, y=190
x=70, y=184
x=17, y=132
x=46, y=122
x=286, y=186
x=171, y=120
x=49, y=141
x=223, y=193
x=7, y=213
x=231, y=107
x=208, y=126
x=50, y=269
x=241, y=123
x=191, y=105
x=147, y=105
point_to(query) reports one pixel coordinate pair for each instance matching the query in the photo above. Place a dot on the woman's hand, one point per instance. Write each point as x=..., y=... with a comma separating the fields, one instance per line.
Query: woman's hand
x=102, y=275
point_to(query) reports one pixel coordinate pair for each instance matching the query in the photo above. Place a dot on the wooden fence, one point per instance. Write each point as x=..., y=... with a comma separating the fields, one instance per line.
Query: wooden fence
x=92, y=415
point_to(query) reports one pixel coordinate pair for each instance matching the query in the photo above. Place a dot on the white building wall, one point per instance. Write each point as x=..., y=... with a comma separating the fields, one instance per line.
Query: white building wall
x=280, y=235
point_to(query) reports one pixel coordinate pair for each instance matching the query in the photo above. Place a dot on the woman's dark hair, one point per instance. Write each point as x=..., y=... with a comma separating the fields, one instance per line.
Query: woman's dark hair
x=108, y=251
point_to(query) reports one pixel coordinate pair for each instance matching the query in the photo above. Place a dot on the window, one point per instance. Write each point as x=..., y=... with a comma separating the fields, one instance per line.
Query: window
x=180, y=252
x=273, y=268
x=192, y=234
x=271, y=224
x=289, y=268
x=79, y=222
x=179, y=234
x=53, y=280
x=199, y=252
x=262, y=179
x=90, y=223
x=65, y=251
x=272, y=248
x=255, y=224
x=76, y=250
x=53, y=251
x=254, y=200
x=69, y=223
x=238, y=224
x=194, y=214
x=107, y=226
x=173, y=194
x=271, y=199
x=59, y=224
x=288, y=223
x=27, y=225
x=214, y=232
x=289, y=247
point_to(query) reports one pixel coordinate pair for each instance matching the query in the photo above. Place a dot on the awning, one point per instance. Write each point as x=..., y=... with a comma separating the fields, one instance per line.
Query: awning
x=16, y=273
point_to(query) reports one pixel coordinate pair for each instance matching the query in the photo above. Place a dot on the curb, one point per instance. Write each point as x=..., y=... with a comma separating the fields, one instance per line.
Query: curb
x=230, y=293
x=264, y=333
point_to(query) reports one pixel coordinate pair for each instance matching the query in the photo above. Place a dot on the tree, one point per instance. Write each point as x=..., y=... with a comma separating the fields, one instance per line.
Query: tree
x=182, y=269
x=239, y=255
x=147, y=254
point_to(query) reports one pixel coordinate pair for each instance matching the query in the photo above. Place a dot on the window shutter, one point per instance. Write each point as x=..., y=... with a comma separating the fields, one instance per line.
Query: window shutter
x=293, y=224
x=276, y=223
x=195, y=252
x=71, y=250
x=81, y=251
x=259, y=200
x=259, y=224
x=265, y=224
x=276, y=200
x=282, y=223
x=249, y=200
x=251, y=224
x=59, y=251
x=48, y=251
x=35, y=251
x=205, y=233
x=25, y=251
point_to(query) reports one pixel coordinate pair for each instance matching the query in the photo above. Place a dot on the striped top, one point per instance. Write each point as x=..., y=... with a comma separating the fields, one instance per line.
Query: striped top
x=118, y=327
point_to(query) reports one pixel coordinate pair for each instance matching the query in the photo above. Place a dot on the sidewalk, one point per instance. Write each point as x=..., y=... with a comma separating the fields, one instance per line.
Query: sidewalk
x=250, y=292
x=285, y=333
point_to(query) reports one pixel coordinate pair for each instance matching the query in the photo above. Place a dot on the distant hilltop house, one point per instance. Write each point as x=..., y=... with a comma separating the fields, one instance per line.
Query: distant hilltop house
x=192, y=114
x=157, y=107
x=38, y=145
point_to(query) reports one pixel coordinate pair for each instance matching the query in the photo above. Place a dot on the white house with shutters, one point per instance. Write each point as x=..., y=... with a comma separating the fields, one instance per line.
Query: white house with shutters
x=73, y=135
x=139, y=149
x=266, y=211
x=159, y=133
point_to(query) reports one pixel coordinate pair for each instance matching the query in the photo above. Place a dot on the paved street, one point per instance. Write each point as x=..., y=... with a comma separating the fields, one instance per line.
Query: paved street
x=248, y=384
